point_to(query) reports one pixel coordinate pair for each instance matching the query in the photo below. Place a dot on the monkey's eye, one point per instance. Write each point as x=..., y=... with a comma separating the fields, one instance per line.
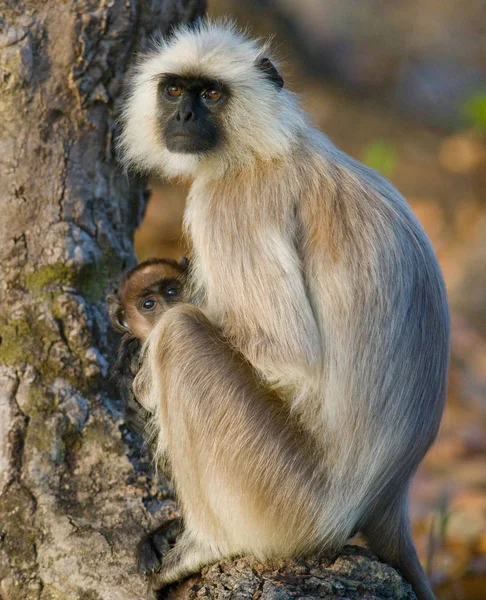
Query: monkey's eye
x=212, y=94
x=149, y=304
x=174, y=91
x=172, y=292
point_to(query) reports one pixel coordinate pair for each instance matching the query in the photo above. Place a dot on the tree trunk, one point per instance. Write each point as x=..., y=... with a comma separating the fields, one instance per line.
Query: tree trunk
x=76, y=493
x=72, y=503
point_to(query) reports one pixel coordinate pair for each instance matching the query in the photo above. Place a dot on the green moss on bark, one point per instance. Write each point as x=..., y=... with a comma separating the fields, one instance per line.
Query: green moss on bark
x=18, y=533
x=57, y=274
x=29, y=339
x=91, y=280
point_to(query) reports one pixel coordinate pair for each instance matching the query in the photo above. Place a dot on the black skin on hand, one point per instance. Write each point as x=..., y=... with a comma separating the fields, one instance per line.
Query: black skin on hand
x=155, y=545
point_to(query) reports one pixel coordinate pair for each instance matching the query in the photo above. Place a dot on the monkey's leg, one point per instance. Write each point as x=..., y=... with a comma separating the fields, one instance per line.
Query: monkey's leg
x=247, y=481
x=156, y=544
x=188, y=556
x=389, y=537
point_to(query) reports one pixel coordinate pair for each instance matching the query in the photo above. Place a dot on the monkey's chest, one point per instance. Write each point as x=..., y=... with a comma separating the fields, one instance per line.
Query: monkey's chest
x=252, y=284
x=235, y=273
x=240, y=262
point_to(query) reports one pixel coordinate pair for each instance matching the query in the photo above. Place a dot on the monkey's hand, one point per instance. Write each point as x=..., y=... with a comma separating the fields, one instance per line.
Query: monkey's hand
x=123, y=372
x=155, y=545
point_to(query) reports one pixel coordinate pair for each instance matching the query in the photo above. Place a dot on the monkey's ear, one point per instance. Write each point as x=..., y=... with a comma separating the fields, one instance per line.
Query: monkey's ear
x=115, y=312
x=183, y=263
x=266, y=66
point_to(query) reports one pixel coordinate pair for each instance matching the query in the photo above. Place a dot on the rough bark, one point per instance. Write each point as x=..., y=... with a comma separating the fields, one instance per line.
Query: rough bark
x=354, y=575
x=72, y=503
x=76, y=494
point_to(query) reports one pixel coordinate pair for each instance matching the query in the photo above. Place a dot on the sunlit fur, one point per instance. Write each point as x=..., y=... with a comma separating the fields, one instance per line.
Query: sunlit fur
x=313, y=267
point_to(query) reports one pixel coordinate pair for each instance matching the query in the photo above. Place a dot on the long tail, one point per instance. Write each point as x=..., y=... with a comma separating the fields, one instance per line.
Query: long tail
x=389, y=537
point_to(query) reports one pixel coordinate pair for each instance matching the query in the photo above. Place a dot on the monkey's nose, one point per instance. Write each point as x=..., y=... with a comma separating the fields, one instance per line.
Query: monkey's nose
x=185, y=115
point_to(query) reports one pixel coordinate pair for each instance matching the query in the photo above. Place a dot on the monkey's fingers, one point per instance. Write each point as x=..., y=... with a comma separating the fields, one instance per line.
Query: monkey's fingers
x=155, y=545
x=148, y=556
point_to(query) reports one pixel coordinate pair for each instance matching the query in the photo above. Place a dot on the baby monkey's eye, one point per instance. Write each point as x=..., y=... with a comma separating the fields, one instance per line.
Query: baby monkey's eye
x=174, y=90
x=149, y=304
x=172, y=292
x=212, y=94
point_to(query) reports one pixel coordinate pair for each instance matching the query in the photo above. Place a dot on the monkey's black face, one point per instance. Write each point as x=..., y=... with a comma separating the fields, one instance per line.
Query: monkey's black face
x=191, y=109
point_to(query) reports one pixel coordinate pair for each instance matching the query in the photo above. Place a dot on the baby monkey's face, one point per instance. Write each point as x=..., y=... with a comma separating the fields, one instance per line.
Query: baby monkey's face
x=148, y=295
x=145, y=293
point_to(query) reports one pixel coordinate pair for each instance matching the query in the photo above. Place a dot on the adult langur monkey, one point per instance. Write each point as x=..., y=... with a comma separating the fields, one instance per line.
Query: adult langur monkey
x=313, y=281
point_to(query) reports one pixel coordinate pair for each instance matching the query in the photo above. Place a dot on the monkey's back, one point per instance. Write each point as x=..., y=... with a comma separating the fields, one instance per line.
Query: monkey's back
x=382, y=309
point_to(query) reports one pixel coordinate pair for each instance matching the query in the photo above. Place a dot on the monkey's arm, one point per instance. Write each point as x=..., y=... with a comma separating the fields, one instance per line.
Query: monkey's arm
x=271, y=321
x=226, y=438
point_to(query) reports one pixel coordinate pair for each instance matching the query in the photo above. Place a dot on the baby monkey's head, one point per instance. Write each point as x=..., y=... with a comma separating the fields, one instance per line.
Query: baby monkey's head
x=145, y=293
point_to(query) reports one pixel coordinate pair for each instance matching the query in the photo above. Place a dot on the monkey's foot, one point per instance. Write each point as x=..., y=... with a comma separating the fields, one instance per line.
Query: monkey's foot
x=186, y=558
x=155, y=545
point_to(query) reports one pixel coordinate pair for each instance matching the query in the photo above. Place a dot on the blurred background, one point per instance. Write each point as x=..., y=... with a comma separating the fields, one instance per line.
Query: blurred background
x=401, y=85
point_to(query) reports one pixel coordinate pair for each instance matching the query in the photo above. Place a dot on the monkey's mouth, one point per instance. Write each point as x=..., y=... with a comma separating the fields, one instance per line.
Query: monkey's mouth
x=188, y=143
x=190, y=138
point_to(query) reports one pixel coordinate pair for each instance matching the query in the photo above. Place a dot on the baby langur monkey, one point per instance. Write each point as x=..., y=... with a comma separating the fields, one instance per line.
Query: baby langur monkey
x=144, y=294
